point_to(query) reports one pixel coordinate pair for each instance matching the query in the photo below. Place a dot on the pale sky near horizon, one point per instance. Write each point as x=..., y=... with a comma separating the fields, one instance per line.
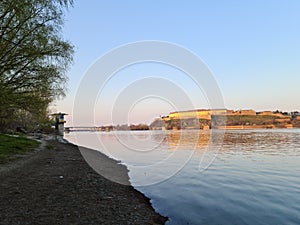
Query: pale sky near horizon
x=251, y=47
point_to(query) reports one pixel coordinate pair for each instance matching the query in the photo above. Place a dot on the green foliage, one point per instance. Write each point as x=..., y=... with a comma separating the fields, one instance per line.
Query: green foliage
x=157, y=123
x=10, y=146
x=33, y=58
x=139, y=127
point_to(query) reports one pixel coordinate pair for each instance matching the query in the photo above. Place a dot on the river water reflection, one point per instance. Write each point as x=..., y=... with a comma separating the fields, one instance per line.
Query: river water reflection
x=251, y=177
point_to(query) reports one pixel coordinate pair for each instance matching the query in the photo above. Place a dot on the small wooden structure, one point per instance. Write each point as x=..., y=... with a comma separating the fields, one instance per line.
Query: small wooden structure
x=59, y=122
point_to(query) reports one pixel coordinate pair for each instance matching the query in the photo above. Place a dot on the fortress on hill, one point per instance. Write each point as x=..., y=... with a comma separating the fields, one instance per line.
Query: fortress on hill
x=205, y=119
x=226, y=119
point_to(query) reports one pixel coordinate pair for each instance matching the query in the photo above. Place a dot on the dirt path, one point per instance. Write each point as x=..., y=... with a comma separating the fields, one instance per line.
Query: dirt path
x=56, y=186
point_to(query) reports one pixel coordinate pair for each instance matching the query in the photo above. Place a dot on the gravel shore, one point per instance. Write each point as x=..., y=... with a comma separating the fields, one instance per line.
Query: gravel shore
x=56, y=186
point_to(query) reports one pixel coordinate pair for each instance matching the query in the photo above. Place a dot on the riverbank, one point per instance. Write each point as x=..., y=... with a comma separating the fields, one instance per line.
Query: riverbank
x=56, y=186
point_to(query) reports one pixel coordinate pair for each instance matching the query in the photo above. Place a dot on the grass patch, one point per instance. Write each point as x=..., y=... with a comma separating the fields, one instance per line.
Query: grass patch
x=11, y=146
x=49, y=147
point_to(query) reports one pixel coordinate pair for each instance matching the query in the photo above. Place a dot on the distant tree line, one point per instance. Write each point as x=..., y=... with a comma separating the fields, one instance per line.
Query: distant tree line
x=34, y=59
x=131, y=127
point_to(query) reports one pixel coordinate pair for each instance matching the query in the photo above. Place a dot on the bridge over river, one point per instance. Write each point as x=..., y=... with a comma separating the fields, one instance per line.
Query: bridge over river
x=88, y=128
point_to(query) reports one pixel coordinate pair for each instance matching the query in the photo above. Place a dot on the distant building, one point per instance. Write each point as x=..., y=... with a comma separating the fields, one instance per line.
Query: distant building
x=248, y=112
x=59, y=122
x=198, y=113
x=270, y=113
x=229, y=119
x=265, y=113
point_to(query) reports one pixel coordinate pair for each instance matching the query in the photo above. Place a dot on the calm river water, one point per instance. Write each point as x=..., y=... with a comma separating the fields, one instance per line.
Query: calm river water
x=199, y=177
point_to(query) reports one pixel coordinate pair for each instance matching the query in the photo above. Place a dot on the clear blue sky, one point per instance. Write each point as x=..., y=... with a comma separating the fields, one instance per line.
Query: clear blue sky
x=252, y=47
